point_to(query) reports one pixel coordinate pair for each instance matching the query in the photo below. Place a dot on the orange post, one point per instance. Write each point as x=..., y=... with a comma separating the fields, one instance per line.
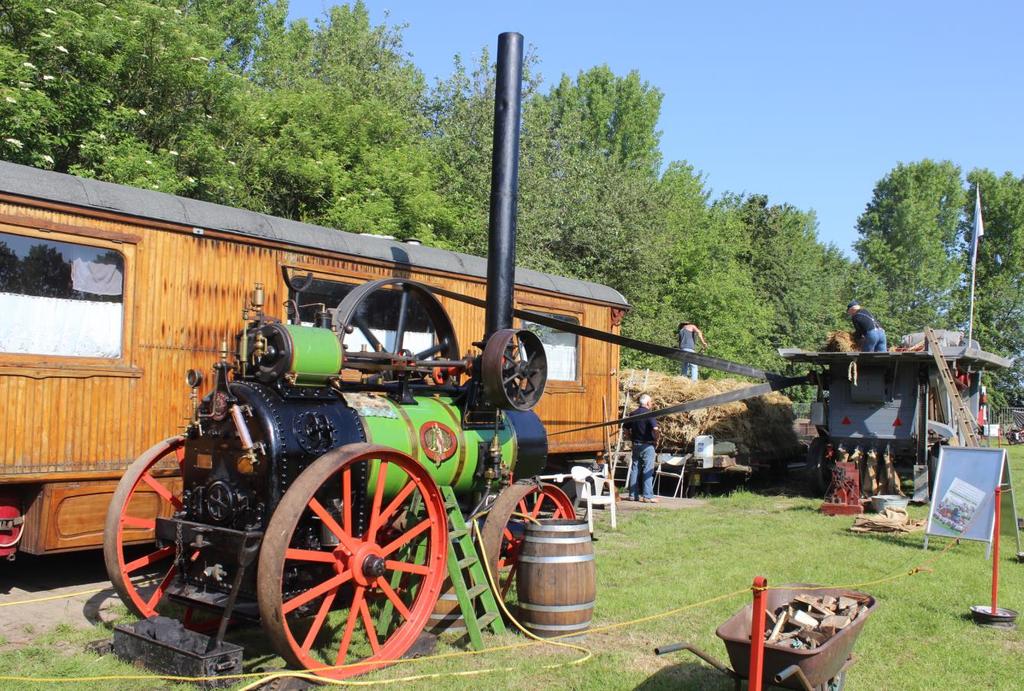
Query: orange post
x=995, y=551
x=757, y=617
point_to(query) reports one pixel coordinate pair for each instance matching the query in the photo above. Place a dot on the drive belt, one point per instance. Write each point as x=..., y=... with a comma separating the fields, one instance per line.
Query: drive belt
x=777, y=380
x=773, y=380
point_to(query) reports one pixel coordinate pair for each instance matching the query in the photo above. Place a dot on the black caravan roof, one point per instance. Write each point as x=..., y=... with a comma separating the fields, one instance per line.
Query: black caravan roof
x=25, y=181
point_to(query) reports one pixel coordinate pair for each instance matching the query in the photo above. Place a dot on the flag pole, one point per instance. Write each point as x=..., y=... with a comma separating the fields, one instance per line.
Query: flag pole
x=976, y=235
x=970, y=319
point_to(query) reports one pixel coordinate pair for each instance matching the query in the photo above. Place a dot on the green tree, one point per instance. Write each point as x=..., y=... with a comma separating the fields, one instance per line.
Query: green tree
x=794, y=273
x=712, y=281
x=585, y=208
x=908, y=239
x=460, y=110
x=223, y=101
x=590, y=202
x=597, y=218
x=619, y=116
x=336, y=135
x=596, y=198
x=999, y=293
x=129, y=91
x=242, y=23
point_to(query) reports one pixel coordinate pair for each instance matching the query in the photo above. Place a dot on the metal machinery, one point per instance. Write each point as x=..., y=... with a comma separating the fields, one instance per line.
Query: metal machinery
x=880, y=410
x=318, y=476
x=319, y=488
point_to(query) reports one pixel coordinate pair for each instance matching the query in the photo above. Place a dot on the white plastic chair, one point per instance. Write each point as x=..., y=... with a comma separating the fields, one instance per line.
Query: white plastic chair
x=676, y=462
x=596, y=489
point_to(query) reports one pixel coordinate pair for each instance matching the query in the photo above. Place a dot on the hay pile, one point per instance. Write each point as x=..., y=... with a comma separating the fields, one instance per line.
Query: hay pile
x=840, y=342
x=761, y=428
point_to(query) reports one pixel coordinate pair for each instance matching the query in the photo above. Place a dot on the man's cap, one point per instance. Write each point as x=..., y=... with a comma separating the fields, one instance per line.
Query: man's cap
x=853, y=303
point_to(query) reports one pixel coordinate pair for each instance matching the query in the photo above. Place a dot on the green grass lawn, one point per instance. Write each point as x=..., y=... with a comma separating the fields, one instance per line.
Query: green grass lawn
x=920, y=637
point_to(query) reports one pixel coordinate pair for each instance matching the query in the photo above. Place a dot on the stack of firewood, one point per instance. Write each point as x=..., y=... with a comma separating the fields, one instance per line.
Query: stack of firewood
x=808, y=621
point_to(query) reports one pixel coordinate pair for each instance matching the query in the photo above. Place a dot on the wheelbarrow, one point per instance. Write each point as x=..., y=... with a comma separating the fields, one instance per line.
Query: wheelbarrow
x=804, y=669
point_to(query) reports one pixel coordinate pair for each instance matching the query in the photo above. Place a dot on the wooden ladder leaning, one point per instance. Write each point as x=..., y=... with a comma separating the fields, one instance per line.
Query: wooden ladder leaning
x=466, y=571
x=964, y=420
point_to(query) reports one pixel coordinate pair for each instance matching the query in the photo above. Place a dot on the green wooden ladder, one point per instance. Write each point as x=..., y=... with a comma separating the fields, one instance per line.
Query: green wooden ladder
x=466, y=572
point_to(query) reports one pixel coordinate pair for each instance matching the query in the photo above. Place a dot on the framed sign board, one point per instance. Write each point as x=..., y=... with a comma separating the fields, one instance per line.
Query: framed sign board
x=964, y=493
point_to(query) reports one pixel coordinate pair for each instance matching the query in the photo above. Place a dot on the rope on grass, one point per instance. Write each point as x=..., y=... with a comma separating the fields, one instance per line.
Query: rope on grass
x=922, y=567
x=68, y=596
x=64, y=596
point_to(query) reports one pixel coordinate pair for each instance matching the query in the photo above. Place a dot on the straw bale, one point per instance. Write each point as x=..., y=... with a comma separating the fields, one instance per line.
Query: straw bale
x=840, y=342
x=761, y=427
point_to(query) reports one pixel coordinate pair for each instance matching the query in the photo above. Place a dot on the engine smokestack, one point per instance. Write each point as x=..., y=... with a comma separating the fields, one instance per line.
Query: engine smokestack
x=501, y=241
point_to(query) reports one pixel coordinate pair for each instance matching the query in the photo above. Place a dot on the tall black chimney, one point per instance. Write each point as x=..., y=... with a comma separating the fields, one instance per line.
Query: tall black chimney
x=501, y=241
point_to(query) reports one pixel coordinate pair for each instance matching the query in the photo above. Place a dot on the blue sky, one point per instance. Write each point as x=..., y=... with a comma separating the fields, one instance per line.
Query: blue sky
x=808, y=102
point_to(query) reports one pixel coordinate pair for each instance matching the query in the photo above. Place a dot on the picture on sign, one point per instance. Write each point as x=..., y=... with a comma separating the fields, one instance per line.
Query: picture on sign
x=957, y=508
x=963, y=495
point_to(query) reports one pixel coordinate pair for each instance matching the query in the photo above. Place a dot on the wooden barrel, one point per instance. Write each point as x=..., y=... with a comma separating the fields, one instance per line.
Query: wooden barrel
x=447, y=616
x=556, y=578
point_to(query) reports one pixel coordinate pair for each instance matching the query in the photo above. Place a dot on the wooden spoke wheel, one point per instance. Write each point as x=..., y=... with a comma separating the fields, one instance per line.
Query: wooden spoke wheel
x=515, y=369
x=348, y=578
x=505, y=526
x=141, y=579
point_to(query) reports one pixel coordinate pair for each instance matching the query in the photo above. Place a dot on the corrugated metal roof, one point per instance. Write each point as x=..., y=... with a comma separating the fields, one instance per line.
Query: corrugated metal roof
x=67, y=189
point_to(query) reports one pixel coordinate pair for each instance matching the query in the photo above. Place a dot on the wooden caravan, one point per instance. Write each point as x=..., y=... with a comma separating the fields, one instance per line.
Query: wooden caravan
x=108, y=294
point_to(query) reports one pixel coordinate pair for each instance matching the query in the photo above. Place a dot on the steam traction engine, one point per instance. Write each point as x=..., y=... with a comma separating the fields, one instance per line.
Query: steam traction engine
x=314, y=475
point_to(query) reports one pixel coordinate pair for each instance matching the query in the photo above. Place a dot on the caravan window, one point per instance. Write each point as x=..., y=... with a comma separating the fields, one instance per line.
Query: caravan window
x=60, y=298
x=561, y=347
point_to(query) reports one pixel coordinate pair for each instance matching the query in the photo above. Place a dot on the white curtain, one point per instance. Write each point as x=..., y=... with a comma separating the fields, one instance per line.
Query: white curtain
x=560, y=349
x=561, y=361
x=54, y=326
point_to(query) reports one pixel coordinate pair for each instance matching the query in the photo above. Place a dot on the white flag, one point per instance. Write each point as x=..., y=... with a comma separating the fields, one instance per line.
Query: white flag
x=979, y=224
x=979, y=230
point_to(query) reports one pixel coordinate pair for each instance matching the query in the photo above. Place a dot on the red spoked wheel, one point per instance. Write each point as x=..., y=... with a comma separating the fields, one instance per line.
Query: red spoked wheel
x=141, y=496
x=347, y=579
x=505, y=526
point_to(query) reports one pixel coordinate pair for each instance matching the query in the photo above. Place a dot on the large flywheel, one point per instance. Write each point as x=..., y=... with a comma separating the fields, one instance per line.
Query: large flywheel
x=353, y=561
x=395, y=324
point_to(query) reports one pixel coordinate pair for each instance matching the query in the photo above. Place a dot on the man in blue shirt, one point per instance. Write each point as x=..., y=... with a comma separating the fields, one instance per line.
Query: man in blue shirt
x=644, y=435
x=868, y=331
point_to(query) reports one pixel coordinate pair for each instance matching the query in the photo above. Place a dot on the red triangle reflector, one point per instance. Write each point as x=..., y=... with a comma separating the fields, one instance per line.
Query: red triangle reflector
x=897, y=423
x=846, y=421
